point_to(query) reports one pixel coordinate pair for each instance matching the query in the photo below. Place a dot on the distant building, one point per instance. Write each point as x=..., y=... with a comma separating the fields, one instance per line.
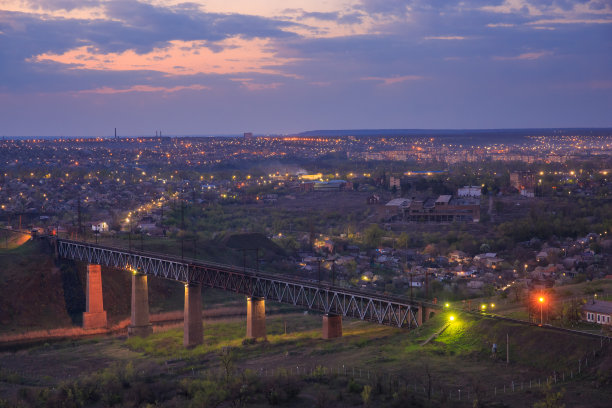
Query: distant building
x=598, y=311
x=373, y=199
x=522, y=180
x=99, y=226
x=248, y=135
x=394, y=182
x=527, y=192
x=469, y=191
x=331, y=185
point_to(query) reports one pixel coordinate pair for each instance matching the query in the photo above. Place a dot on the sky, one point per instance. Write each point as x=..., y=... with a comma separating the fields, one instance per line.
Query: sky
x=85, y=67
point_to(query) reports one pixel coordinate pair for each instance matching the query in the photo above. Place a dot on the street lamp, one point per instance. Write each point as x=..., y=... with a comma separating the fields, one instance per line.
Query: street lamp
x=541, y=300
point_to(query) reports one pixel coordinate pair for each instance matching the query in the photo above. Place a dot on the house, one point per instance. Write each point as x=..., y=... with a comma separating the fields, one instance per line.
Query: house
x=469, y=191
x=493, y=262
x=457, y=256
x=475, y=284
x=99, y=226
x=542, y=256
x=598, y=311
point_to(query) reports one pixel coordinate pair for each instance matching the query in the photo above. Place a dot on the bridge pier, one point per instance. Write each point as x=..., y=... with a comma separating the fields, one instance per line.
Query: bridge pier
x=419, y=315
x=139, y=322
x=256, y=318
x=94, y=316
x=193, y=328
x=332, y=326
x=424, y=313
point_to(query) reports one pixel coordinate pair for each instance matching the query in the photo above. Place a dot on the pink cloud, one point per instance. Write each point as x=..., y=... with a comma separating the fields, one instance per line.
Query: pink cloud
x=445, y=37
x=256, y=86
x=526, y=56
x=394, y=80
x=143, y=88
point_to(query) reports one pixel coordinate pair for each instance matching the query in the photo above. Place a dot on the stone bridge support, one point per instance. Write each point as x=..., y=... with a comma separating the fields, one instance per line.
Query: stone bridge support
x=425, y=313
x=139, y=322
x=193, y=328
x=94, y=316
x=256, y=318
x=332, y=326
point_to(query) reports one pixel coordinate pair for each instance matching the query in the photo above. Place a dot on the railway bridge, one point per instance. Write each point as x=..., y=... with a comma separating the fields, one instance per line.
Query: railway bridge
x=333, y=302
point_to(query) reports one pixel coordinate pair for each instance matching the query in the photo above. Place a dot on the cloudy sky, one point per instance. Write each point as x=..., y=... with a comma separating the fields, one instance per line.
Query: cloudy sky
x=84, y=67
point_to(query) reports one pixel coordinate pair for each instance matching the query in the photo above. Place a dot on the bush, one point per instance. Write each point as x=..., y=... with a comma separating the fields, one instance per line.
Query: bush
x=354, y=387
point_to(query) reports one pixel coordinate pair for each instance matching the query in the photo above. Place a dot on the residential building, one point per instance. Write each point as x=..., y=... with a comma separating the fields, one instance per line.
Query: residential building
x=598, y=311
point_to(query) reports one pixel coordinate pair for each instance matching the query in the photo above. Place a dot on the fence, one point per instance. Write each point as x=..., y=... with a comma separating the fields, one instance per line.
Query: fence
x=426, y=386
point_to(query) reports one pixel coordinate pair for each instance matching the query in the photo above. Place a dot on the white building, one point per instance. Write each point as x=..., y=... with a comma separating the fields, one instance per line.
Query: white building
x=99, y=226
x=469, y=191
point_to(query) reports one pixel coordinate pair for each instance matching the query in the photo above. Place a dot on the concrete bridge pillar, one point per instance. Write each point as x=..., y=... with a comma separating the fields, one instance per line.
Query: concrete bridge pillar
x=332, y=326
x=419, y=315
x=95, y=315
x=256, y=318
x=139, y=322
x=193, y=327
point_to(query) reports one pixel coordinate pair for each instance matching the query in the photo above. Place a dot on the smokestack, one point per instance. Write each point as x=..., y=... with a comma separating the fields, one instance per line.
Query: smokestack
x=156, y=133
x=115, y=133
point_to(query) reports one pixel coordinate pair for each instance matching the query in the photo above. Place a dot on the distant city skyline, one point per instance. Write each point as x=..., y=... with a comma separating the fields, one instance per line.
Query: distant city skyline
x=82, y=68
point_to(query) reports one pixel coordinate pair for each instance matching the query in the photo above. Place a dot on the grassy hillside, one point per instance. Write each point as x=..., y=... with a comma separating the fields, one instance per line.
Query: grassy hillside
x=38, y=291
x=299, y=369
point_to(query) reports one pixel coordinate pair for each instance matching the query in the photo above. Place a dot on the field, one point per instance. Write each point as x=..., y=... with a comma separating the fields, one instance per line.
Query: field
x=297, y=368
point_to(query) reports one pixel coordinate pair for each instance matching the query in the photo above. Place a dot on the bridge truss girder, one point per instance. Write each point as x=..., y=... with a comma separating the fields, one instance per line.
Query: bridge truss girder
x=321, y=298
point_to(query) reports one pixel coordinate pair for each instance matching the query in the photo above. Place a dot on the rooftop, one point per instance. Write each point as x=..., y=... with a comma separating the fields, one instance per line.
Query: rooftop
x=598, y=306
x=399, y=202
x=444, y=199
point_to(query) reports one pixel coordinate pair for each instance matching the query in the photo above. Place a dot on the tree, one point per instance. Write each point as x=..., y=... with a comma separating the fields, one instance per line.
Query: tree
x=372, y=236
x=366, y=395
x=552, y=399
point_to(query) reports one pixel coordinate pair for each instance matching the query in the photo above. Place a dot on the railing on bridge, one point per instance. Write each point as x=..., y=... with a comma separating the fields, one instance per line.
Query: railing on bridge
x=323, y=298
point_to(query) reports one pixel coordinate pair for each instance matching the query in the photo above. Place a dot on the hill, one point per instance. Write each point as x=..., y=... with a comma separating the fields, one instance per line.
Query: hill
x=370, y=365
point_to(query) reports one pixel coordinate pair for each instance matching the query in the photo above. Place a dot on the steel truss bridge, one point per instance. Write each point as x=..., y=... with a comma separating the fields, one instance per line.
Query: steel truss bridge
x=310, y=295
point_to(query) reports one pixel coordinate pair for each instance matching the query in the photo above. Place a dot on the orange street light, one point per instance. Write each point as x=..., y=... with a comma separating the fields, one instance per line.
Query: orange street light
x=541, y=300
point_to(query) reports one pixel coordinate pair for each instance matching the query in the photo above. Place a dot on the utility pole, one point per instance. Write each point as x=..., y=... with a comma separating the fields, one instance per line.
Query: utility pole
x=244, y=259
x=257, y=258
x=79, y=214
x=195, y=247
x=411, y=286
x=182, y=230
x=507, y=348
x=334, y=273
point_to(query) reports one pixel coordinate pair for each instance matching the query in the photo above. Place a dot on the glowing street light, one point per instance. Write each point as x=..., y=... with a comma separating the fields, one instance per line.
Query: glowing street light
x=483, y=307
x=541, y=300
x=452, y=318
x=447, y=305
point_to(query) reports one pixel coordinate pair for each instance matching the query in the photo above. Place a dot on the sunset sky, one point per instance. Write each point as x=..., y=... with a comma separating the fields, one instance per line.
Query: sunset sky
x=84, y=67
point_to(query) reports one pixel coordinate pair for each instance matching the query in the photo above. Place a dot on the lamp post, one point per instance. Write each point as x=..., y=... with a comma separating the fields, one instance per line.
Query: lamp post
x=541, y=300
